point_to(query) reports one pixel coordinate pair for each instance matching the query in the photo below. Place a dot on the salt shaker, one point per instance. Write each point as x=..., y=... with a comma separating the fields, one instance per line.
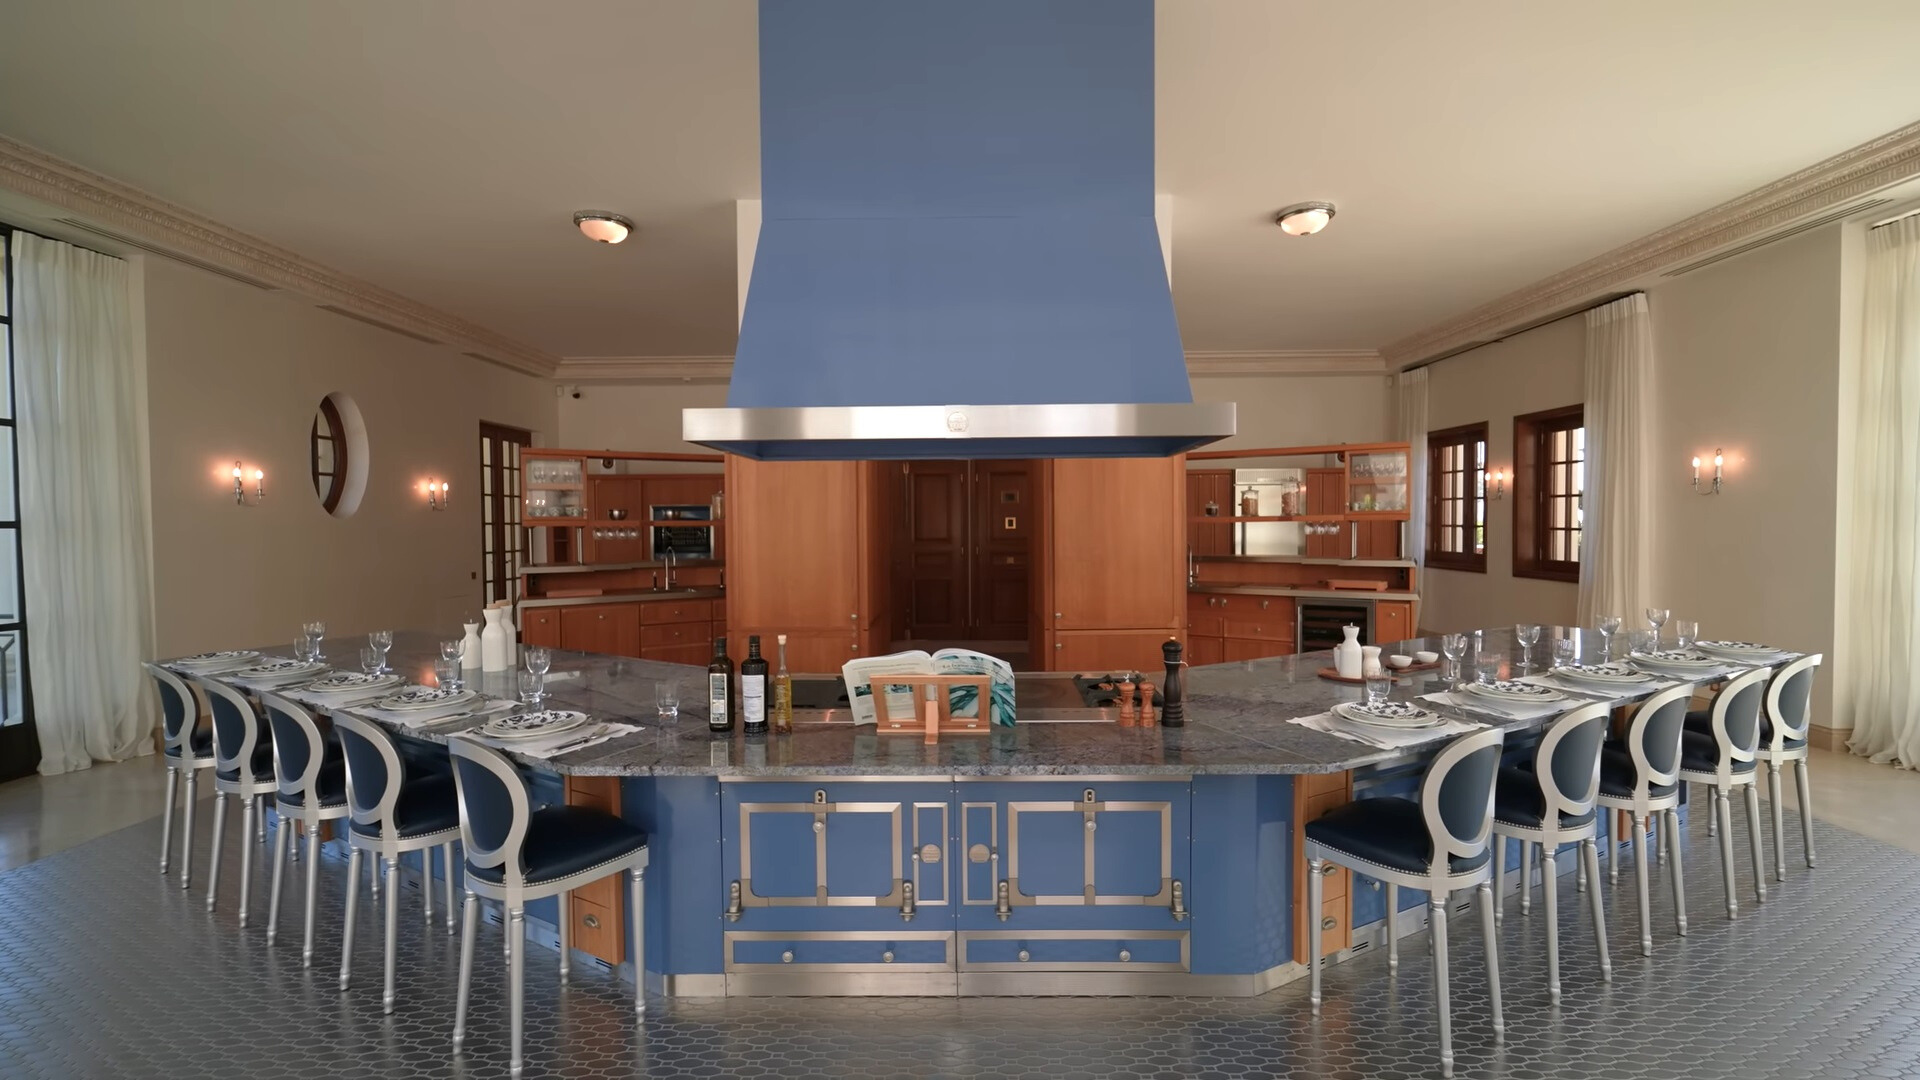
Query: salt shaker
x=1126, y=702
x=1146, y=704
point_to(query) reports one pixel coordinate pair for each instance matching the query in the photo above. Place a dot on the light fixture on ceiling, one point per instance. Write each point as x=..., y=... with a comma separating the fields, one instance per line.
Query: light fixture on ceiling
x=608, y=228
x=1304, y=219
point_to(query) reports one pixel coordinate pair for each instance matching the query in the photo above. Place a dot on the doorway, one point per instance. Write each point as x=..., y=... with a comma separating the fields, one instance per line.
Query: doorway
x=964, y=551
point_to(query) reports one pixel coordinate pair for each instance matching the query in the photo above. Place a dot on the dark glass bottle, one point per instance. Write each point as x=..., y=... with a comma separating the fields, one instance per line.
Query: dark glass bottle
x=720, y=706
x=753, y=689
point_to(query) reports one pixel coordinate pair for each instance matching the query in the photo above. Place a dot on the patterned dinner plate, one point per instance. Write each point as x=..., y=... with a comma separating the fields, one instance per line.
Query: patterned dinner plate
x=1394, y=714
x=423, y=697
x=529, y=725
x=1509, y=690
x=281, y=668
x=343, y=682
x=1677, y=658
x=217, y=659
x=1736, y=649
x=1603, y=674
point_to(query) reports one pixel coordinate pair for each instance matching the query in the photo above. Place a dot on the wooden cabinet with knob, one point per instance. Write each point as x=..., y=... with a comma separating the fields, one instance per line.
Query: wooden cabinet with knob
x=1233, y=627
x=1314, y=795
x=540, y=626
x=1114, y=549
x=1210, y=487
x=608, y=629
x=597, y=911
x=1392, y=621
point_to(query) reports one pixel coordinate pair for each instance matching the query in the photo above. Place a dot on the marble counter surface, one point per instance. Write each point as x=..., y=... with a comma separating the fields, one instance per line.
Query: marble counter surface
x=1237, y=717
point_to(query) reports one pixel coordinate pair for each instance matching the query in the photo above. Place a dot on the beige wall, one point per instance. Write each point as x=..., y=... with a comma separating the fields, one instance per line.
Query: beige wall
x=635, y=417
x=234, y=372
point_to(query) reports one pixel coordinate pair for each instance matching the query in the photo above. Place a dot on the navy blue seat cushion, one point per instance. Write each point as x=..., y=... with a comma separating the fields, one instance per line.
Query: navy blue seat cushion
x=1617, y=775
x=1517, y=800
x=331, y=784
x=1701, y=753
x=1391, y=832
x=426, y=804
x=1701, y=721
x=262, y=765
x=563, y=840
x=200, y=741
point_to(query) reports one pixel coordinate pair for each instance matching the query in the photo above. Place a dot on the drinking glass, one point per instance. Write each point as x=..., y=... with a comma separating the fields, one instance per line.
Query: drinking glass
x=369, y=659
x=1486, y=667
x=303, y=648
x=532, y=687
x=450, y=650
x=1685, y=633
x=1566, y=653
x=539, y=659
x=666, y=698
x=1657, y=616
x=1609, y=626
x=1378, y=685
x=382, y=641
x=446, y=674
x=315, y=630
x=1526, y=636
x=1643, y=641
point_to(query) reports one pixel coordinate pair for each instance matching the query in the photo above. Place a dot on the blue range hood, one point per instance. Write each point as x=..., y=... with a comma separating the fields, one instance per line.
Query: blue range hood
x=957, y=256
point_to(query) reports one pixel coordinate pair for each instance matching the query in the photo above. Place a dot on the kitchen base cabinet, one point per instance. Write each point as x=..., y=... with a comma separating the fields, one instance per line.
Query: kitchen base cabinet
x=540, y=626
x=676, y=631
x=608, y=629
x=1110, y=650
x=1231, y=628
x=1392, y=621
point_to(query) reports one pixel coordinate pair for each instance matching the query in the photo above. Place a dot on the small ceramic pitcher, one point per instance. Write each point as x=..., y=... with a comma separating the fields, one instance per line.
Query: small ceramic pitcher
x=470, y=647
x=1346, y=655
x=1369, y=660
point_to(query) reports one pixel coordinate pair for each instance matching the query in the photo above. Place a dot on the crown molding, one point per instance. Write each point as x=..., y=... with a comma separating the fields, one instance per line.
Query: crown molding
x=1891, y=159
x=169, y=228
x=1200, y=364
x=604, y=369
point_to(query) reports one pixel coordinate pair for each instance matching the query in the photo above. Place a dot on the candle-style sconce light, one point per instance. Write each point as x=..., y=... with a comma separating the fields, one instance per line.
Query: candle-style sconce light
x=240, y=484
x=1719, y=473
x=1497, y=484
x=437, y=494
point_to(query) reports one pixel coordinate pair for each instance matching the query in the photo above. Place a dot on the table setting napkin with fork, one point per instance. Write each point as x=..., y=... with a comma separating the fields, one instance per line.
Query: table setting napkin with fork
x=1461, y=701
x=563, y=742
x=1382, y=738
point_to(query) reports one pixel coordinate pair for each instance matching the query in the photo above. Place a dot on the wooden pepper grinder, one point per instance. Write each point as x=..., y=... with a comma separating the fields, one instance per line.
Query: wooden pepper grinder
x=1173, y=711
x=1146, y=703
x=1125, y=687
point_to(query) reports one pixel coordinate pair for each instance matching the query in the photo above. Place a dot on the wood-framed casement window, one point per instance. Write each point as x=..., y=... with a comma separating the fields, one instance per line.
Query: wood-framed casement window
x=1549, y=482
x=1457, y=498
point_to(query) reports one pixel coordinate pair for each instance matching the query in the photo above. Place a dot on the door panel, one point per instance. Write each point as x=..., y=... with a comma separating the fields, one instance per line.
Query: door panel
x=937, y=549
x=810, y=856
x=1002, y=531
x=1119, y=543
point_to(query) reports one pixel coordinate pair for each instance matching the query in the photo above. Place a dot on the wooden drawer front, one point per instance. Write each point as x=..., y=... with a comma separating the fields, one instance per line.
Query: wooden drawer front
x=877, y=950
x=600, y=793
x=1202, y=650
x=1200, y=621
x=1335, y=933
x=540, y=626
x=596, y=928
x=1316, y=806
x=671, y=634
x=1238, y=649
x=1067, y=950
x=1259, y=626
x=1310, y=784
x=1335, y=882
x=609, y=892
x=660, y=612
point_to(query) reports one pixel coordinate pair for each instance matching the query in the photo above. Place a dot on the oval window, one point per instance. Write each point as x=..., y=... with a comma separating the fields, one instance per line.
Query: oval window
x=338, y=444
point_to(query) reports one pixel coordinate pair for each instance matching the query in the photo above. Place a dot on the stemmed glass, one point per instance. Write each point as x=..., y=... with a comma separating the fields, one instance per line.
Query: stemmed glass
x=303, y=648
x=1526, y=636
x=1609, y=626
x=315, y=631
x=1658, y=617
x=1454, y=647
x=382, y=642
x=539, y=659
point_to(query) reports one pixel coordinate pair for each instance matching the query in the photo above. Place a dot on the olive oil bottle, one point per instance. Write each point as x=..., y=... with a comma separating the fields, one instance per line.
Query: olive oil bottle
x=782, y=690
x=753, y=689
x=720, y=704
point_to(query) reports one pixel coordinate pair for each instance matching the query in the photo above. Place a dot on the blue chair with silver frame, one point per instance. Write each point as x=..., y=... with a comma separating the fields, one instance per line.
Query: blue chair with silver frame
x=1724, y=758
x=243, y=767
x=1783, y=738
x=392, y=809
x=1439, y=843
x=1640, y=775
x=188, y=748
x=313, y=789
x=1549, y=803
x=516, y=854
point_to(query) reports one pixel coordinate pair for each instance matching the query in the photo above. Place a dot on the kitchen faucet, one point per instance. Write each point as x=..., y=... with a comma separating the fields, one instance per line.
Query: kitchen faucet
x=669, y=559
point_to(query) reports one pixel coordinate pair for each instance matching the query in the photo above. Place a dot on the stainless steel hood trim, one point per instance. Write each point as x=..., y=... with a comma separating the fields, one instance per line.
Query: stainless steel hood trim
x=1201, y=421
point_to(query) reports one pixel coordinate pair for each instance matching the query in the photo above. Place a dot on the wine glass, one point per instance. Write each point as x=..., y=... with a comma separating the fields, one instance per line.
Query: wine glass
x=1657, y=616
x=1526, y=636
x=369, y=659
x=382, y=642
x=1609, y=626
x=450, y=650
x=315, y=630
x=1566, y=653
x=303, y=648
x=539, y=659
x=1454, y=647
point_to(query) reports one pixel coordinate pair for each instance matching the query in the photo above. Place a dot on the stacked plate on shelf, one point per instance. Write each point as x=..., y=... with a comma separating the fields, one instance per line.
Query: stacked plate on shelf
x=1388, y=714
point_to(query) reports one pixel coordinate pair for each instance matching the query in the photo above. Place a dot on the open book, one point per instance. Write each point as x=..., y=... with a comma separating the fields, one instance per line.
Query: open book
x=961, y=700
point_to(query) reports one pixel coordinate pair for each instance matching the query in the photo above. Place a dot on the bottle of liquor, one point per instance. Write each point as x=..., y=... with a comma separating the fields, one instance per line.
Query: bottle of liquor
x=782, y=690
x=720, y=688
x=753, y=689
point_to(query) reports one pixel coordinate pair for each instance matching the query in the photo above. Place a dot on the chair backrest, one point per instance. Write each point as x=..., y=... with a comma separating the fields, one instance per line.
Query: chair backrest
x=374, y=771
x=1736, y=716
x=1567, y=760
x=1653, y=737
x=179, y=710
x=236, y=726
x=1787, y=701
x=298, y=746
x=494, y=808
x=1456, y=796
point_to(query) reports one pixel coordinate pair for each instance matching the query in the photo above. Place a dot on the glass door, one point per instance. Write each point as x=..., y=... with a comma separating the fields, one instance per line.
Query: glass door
x=19, y=744
x=502, y=542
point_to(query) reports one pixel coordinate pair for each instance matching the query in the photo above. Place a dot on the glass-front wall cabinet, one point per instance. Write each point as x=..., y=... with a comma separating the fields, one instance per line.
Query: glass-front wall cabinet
x=1377, y=482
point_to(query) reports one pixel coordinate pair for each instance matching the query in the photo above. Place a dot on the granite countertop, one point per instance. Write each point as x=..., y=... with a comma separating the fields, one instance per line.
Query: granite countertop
x=1291, y=590
x=1236, y=724
x=642, y=597
x=588, y=568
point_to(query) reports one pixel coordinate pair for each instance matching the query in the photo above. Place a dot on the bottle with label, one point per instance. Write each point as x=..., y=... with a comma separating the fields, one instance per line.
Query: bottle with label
x=753, y=689
x=782, y=690
x=720, y=688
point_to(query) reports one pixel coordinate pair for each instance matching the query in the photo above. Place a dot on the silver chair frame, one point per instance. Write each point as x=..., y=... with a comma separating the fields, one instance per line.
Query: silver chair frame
x=1775, y=752
x=1439, y=881
x=1642, y=805
x=1551, y=835
x=246, y=787
x=182, y=761
x=513, y=893
x=387, y=848
x=1722, y=779
x=310, y=814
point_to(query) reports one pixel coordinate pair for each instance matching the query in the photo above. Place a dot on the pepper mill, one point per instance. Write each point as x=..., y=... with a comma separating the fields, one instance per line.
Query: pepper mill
x=1146, y=703
x=1173, y=710
x=1126, y=702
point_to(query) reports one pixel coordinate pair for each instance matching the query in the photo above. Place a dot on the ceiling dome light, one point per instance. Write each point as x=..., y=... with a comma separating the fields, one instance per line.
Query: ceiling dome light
x=603, y=226
x=1304, y=219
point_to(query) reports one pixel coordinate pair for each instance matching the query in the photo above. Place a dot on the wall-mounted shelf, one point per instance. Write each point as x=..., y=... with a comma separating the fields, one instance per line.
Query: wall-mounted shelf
x=1204, y=519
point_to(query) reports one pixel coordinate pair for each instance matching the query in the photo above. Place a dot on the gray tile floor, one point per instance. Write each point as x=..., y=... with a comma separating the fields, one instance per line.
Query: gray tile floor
x=107, y=970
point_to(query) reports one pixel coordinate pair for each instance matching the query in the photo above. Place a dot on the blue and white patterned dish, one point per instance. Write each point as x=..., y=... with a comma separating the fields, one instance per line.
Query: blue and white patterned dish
x=348, y=682
x=1602, y=674
x=1736, y=650
x=1509, y=690
x=281, y=669
x=224, y=658
x=423, y=697
x=1685, y=659
x=1393, y=714
x=530, y=725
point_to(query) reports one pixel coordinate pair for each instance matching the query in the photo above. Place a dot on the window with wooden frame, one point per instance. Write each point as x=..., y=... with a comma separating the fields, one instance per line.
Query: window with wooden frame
x=1457, y=498
x=1549, y=485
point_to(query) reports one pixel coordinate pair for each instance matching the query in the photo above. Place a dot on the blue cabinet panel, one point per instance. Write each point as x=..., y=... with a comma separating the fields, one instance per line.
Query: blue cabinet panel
x=1241, y=893
x=782, y=855
x=1165, y=950
x=829, y=856
x=798, y=951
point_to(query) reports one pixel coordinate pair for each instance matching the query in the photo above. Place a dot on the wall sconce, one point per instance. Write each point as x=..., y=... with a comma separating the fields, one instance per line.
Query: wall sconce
x=240, y=487
x=1497, y=484
x=437, y=494
x=1719, y=461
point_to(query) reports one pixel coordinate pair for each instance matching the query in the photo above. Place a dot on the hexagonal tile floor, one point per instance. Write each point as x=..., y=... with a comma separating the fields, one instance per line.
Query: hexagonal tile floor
x=107, y=970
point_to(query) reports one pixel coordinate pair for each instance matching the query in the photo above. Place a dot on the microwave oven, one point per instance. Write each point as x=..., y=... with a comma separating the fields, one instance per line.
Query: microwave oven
x=689, y=541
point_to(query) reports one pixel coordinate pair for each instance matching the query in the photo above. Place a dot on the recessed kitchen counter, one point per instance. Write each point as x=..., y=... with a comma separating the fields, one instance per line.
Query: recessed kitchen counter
x=642, y=597
x=1287, y=590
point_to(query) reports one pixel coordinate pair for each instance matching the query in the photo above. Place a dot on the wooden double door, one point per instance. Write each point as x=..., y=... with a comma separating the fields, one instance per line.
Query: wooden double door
x=965, y=549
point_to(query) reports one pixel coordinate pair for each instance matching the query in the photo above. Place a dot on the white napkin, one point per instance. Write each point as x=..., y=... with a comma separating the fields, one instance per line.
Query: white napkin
x=1381, y=738
x=550, y=746
x=1517, y=710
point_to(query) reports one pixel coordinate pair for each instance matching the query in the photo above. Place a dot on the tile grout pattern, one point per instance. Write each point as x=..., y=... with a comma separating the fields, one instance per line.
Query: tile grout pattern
x=107, y=970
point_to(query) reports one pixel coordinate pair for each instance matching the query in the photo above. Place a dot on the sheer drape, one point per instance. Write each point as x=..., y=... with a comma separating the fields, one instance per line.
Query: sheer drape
x=1616, y=535
x=1883, y=583
x=1410, y=426
x=83, y=521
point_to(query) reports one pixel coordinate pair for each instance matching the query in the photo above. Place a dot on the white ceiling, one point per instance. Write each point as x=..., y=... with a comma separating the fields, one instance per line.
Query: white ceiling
x=439, y=147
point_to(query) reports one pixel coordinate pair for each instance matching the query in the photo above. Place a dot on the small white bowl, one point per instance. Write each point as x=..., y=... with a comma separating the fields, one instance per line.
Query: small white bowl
x=1399, y=661
x=1426, y=657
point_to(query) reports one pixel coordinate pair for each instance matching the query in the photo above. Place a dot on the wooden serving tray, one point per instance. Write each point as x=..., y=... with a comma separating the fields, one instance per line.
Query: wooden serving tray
x=1357, y=586
x=1332, y=675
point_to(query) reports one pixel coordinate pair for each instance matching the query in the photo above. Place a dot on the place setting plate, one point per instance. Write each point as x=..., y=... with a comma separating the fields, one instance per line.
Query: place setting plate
x=533, y=725
x=281, y=669
x=350, y=682
x=1511, y=691
x=1388, y=714
x=217, y=661
x=415, y=698
x=1737, y=650
x=1677, y=660
x=1607, y=675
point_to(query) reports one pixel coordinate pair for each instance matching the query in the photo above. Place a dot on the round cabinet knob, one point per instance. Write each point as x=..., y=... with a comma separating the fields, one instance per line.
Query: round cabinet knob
x=1056, y=614
x=887, y=957
x=819, y=826
x=1329, y=923
x=1329, y=870
x=1025, y=956
x=592, y=922
x=1059, y=645
x=1090, y=826
x=1125, y=956
x=787, y=957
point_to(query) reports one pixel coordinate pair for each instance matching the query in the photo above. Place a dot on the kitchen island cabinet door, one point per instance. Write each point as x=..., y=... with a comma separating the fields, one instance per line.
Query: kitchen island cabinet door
x=541, y=626
x=836, y=856
x=1118, y=528
x=1110, y=650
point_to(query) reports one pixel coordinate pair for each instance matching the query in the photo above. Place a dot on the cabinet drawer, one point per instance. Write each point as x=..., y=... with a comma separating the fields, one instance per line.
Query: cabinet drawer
x=609, y=893
x=670, y=634
x=1204, y=615
x=1335, y=933
x=1085, y=950
x=660, y=612
x=596, y=929
x=1310, y=784
x=1257, y=626
x=748, y=950
x=1335, y=882
x=1316, y=806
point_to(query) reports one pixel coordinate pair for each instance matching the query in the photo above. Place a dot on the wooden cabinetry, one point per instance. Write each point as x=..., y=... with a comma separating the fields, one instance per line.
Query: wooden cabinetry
x=1376, y=538
x=1114, y=556
x=1392, y=621
x=608, y=629
x=1210, y=487
x=1326, y=495
x=1312, y=797
x=1231, y=627
x=540, y=626
x=596, y=911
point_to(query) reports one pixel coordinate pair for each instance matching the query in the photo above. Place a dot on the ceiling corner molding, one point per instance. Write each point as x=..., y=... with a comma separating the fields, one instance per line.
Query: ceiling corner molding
x=1205, y=363
x=1891, y=159
x=630, y=369
x=164, y=227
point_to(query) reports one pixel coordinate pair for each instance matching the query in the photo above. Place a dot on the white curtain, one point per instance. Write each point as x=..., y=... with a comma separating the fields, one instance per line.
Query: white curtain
x=1883, y=584
x=83, y=518
x=1410, y=426
x=1617, y=533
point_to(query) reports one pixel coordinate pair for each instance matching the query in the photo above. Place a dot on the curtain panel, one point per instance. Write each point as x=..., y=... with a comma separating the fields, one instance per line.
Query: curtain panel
x=1410, y=426
x=1617, y=533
